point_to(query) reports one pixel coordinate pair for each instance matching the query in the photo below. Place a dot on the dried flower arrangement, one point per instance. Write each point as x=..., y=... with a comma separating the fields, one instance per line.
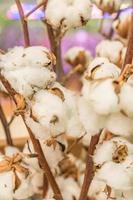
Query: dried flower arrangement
x=80, y=142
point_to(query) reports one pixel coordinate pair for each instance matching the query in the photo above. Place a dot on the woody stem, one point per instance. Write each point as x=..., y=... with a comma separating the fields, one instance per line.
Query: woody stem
x=6, y=127
x=24, y=23
x=129, y=52
x=89, y=171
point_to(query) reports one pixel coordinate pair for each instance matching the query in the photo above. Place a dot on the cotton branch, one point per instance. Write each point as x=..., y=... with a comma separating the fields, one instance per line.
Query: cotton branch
x=24, y=23
x=37, y=147
x=129, y=52
x=89, y=171
x=6, y=127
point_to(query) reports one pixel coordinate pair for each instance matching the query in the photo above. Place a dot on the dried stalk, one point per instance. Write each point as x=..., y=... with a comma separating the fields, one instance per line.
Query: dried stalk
x=89, y=171
x=55, y=44
x=129, y=52
x=44, y=165
x=6, y=127
x=24, y=24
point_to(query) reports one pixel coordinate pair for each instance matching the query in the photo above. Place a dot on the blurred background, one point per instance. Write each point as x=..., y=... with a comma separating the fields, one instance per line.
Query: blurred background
x=11, y=34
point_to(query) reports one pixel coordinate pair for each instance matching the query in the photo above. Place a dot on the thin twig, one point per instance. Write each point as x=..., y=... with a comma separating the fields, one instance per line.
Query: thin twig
x=129, y=52
x=44, y=3
x=6, y=127
x=89, y=171
x=41, y=157
x=24, y=23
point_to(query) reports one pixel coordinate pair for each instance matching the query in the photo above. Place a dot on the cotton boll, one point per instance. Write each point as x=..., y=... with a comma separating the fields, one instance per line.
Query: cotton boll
x=126, y=99
x=25, y=190
x=31, y=162
x=48, y=109
x=19, y=57
x=103, y=153
x=37, y=181
x=28, y=69
x=52, y=153
x=108, y=5
x=85, y=92
x=27, y=80
x=38, y=129
x=10, y=151
x=13, y=59
x=38, y=56
x=91, y=121
x=103, y=71
x=98, y=190
x=69, y=187
x=6, y=186
x=98, y=61
x=116, y=149
x=78, y=55
x=110, y=49
x=14, y=178
x=103, y=98
x=121, y=174
x=123, y=127
x=74, y=126
x=72, y=13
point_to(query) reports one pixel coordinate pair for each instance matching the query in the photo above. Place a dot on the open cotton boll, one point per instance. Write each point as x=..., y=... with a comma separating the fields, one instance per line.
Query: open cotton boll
x=13, y=59
x=78, y=55
x=25, y=190
x=116, y=149
x=48, y=109
x=85, y=91
x=28, y=69
x=31, y=162
x=121, y=175
x=53, y=154
x=97, y=61
x=68, y=14
x=14, y=176
x=126, y=99
x=6, y=186
x=38, y=56
x=40, y=131
x=108, y=5
x=37, y=179
x=103, y=71
x=103, y=153
x=123, y=127
x=69, y=188
x=10, y=150
x=27, y=80
x=98, y=190
x=110, y=49
x=103, y=97
x=20, y=57
x=74, y=126
x=91, y=121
